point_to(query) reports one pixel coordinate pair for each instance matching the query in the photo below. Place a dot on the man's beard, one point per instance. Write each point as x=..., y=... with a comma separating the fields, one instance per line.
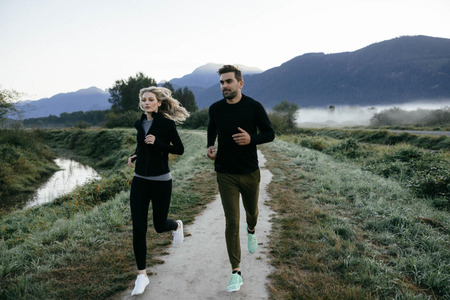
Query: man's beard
x=230, y=95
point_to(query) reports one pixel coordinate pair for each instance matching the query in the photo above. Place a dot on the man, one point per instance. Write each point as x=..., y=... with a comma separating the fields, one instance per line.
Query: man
x=240, y=123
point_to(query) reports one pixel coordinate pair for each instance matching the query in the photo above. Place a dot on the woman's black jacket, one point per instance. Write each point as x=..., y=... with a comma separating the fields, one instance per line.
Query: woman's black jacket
x=153, y=160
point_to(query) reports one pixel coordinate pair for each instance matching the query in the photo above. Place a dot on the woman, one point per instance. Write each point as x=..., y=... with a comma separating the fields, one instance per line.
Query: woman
x=157, y=136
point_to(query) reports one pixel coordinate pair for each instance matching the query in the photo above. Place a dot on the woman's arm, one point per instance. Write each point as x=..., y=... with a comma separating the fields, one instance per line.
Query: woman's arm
x=174, y=144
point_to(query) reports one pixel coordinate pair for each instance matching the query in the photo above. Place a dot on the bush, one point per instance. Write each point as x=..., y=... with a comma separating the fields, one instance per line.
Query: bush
x=122, y=119
x=82, y=125
x=419, y=117
x=314, y=143
x=197, y=120
x=349, y=148
x=279, y=123
x=426, y=174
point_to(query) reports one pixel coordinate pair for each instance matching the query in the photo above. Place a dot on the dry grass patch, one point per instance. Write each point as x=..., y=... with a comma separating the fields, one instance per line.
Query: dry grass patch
x=343, y=233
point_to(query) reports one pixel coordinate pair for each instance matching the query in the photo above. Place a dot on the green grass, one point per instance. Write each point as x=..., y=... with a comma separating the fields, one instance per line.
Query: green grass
x=379, y=136
x=425, y=172
x=80, y=246
x=25, y=161
x=342, y=232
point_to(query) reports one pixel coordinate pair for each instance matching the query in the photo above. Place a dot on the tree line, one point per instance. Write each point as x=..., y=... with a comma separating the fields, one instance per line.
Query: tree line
x=125, y=109
x=418, y=117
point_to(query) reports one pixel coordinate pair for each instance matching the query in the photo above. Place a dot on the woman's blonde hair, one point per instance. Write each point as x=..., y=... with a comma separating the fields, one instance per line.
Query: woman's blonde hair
x=171, y=108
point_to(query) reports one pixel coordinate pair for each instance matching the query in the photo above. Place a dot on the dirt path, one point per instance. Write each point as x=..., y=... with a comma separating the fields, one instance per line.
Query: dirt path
x=199, y=268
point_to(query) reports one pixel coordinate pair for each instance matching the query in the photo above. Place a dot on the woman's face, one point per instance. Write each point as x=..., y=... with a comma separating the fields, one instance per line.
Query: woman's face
x=149, y=102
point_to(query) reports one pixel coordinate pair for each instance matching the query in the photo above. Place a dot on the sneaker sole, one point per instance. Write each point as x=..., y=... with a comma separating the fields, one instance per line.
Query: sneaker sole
x=235, y=290
x=182, y=240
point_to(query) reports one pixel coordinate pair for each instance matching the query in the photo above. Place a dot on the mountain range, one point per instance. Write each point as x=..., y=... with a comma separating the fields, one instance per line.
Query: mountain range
x=88, y=99
x=401, y=70
x=396, y=71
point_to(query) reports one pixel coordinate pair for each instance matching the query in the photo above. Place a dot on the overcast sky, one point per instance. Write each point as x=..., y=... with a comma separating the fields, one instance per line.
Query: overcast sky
x=58, y=46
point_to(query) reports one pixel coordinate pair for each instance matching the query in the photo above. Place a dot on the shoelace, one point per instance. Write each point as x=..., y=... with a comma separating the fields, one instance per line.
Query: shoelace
x=234, y=279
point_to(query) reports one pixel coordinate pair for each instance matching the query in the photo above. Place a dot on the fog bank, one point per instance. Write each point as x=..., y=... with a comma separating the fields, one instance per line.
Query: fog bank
x=354, y=115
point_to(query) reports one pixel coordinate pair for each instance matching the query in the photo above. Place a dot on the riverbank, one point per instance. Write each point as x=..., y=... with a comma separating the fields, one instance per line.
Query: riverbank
x=26, y=161
x=346, y=225
x=82, y=233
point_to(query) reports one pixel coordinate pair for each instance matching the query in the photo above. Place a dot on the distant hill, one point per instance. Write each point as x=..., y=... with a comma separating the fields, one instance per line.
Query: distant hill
x=206, y=76
x=396, y=71
x=82, y=100
x=401, y=70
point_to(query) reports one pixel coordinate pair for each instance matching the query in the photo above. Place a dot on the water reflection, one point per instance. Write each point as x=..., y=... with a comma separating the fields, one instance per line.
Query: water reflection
x=71, y=175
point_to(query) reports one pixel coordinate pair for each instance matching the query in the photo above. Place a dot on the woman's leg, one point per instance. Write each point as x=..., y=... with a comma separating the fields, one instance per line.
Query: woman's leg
x=161, y=196
x=139, y=202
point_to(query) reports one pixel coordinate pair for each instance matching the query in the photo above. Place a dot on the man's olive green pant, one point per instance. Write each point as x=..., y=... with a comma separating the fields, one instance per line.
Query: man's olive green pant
x=230, y=186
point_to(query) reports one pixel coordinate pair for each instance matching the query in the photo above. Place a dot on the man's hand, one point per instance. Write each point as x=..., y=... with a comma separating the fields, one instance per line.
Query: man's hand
x=242, y=138
x=211, y=154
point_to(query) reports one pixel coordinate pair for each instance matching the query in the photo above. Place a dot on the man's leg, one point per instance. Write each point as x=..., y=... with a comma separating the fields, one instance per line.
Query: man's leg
x=229, y=193
x=250, y=197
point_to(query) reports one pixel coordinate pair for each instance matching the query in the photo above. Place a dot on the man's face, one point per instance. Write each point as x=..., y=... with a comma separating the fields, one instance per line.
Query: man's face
x=230, y=86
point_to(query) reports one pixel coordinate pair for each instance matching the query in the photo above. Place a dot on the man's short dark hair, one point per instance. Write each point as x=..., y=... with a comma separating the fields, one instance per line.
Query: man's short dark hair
x=231, y=68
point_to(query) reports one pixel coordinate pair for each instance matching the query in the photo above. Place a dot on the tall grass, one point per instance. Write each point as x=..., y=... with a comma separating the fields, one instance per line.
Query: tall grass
x=424, y=172
x=80, y=245
x=380, y=136
x=25, y=160
x=342, y=232
x=105, y=150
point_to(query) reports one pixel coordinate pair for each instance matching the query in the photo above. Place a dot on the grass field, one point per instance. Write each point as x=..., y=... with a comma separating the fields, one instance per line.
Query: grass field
x=343, y=228
x=80, y=246
x=343, y=231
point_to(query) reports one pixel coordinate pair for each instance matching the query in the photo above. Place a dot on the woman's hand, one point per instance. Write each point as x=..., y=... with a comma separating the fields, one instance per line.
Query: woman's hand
x=211, y=154
x=150, y=139
x=130, y=160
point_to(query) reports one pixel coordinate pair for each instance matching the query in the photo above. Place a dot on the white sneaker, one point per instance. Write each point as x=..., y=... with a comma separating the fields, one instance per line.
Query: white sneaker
x=178, y=235
x=140, y=284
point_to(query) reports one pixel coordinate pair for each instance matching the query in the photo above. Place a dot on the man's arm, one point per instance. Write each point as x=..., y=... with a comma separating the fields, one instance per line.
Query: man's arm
x=266, y=133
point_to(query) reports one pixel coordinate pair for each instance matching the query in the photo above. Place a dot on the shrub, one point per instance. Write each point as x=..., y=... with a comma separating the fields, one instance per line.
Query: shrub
x=197, y=120
x=121, y=119
x=82, y=125
x=426, y=174
x=279, y=123
x=349, y=148
x=315, y=143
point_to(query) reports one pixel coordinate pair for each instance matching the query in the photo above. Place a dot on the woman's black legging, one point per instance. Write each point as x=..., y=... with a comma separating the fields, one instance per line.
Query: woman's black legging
x=160, y=193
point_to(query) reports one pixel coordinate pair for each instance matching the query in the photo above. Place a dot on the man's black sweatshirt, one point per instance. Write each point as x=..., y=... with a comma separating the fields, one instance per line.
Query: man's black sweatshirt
x=224, y=120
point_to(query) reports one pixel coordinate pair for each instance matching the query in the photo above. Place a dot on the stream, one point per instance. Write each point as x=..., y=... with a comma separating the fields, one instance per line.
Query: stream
x=71, y=175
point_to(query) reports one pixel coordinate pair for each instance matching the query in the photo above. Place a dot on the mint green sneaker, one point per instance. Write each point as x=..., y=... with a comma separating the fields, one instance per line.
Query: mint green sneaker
x=252, y=242
x=235, y=283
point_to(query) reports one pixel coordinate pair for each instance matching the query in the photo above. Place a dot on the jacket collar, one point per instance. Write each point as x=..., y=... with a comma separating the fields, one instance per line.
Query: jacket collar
x=155, y=115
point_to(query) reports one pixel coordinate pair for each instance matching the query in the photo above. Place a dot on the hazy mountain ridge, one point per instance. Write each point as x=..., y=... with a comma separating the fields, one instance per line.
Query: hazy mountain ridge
x=396, y=71
x=400, y=70
x=205, y=76
x=82, y=100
